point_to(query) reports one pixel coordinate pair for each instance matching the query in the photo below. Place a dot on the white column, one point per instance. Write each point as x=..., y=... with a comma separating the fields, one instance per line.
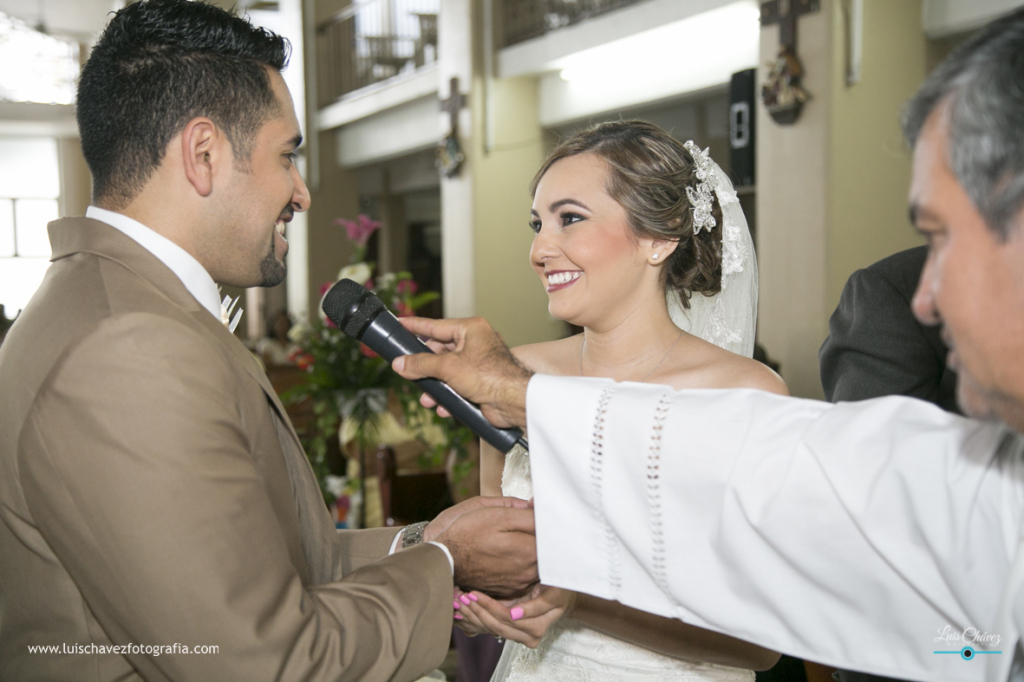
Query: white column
x=792, y=211
x=287, y=21
x=455, y=60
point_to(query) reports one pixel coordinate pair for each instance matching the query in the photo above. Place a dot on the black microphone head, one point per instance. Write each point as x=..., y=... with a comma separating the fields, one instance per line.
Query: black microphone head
x=351, y=306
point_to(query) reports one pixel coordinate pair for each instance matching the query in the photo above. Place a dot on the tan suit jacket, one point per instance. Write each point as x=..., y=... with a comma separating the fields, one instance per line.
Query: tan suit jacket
x=153, y=492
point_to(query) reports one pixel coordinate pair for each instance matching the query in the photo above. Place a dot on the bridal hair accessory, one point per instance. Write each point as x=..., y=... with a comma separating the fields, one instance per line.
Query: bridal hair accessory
x=227, y=306
x=727, y=319
x=700, y=195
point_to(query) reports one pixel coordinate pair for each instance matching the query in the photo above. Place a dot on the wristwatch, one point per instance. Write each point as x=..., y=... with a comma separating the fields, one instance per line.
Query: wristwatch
x=413, y=534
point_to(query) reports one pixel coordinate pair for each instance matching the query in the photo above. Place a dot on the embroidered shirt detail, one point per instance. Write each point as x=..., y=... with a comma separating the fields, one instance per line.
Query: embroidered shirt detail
x=596, y=485
x=654, y=494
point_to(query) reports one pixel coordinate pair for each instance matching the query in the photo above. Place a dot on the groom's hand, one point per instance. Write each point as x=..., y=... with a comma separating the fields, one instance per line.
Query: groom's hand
x=470, y=357
x=492, y=542
x=445, y=519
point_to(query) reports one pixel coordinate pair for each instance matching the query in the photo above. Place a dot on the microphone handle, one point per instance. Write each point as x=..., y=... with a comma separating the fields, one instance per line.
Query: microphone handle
x=386, y=336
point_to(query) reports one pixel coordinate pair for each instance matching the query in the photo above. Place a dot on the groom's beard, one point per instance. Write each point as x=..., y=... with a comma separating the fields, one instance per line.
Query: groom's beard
x=272, y=271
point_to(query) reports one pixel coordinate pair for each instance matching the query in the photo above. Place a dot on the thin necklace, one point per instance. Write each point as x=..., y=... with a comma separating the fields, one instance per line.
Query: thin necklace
x=663, y=359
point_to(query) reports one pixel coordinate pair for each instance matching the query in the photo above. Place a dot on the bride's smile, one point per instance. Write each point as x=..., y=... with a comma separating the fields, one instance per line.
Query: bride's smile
x=589, y=260
x=559, y=279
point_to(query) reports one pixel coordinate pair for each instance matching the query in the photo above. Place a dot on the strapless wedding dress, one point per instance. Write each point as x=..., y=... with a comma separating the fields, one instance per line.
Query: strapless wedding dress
x=573, y=652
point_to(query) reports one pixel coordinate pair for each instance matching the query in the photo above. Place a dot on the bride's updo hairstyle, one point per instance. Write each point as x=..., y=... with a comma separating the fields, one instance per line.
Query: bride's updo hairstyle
x=649, y=172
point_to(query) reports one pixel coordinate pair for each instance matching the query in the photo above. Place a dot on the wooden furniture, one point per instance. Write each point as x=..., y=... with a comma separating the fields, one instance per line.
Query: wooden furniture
x=428, y=36
x=381, y=52
x=409, y=497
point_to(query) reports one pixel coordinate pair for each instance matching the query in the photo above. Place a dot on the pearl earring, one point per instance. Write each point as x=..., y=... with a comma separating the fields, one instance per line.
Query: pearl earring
x=655, y=256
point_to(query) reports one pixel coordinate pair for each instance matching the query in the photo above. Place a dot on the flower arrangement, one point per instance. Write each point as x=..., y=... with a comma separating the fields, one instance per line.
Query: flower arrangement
x=347, y=380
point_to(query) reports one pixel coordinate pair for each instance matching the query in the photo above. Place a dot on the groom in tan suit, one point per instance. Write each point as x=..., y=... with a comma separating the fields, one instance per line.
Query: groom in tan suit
x=154, y=497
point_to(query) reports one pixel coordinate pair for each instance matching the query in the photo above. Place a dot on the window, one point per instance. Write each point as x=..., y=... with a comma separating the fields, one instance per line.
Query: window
x=35, y=67
x=29, y=188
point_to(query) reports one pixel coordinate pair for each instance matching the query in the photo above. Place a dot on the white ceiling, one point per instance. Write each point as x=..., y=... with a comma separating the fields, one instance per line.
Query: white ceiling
x=81, y=19
x=946, y=17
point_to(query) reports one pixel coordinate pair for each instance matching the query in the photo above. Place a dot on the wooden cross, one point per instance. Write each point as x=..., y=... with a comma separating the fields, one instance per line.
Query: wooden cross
x=785, y=13
x=455, y=103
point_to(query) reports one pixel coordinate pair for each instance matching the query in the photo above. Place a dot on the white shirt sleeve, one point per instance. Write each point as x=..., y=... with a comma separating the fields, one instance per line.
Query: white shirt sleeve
x=852, y=534
x=444, y=548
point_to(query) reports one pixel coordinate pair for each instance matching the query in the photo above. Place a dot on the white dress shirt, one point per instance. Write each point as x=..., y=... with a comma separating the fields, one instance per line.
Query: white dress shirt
x=193, y=275
x=868, y=535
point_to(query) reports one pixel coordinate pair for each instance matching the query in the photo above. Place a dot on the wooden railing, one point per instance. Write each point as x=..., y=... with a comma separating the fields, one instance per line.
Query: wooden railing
x=373, y=41
x=525, y=19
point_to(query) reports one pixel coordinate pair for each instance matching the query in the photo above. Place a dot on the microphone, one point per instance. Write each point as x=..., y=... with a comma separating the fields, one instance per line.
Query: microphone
x=364, y=317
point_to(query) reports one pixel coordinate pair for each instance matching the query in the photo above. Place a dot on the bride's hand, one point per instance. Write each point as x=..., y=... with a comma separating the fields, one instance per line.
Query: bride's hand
x=524, y=621
x=470, y=626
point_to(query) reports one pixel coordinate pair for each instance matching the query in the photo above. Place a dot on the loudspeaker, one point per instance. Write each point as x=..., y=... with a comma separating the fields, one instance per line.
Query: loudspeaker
x=741, y=126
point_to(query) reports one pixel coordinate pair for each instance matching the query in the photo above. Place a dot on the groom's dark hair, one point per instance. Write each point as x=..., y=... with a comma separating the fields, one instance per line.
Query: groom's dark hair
x=159, y=64
x=982, y=83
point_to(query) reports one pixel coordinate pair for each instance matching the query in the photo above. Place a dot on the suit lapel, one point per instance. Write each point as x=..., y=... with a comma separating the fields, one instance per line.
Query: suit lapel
x=314, y=526
x=245, y=358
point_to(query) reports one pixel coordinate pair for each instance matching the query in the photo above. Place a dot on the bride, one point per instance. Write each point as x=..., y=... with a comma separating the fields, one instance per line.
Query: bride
x=640, y=241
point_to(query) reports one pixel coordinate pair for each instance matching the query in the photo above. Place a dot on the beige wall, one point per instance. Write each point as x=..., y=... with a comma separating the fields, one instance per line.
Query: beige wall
x=336, y=197
x=870, y=161
x=831, y=195
x=508, y=292
x=75, y=180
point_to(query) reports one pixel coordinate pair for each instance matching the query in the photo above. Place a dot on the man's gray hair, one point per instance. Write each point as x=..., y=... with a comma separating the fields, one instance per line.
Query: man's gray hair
x=982, y=81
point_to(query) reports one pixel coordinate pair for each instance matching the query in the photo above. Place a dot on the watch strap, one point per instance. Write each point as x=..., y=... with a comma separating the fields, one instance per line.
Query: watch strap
x=413, y=534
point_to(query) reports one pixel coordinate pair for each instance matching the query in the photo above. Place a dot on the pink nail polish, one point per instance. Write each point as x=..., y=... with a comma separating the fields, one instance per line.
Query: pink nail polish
x=516, y=612
x=465, y=600
x=456, y=604
x=458, y=616
x=472, y=597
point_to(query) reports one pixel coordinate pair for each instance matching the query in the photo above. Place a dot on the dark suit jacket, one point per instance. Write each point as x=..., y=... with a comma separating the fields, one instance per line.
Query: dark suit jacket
x=876, y=346
x=153, y=493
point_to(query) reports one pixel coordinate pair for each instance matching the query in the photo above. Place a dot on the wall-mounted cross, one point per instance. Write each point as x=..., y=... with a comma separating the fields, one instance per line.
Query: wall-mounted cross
x=449, y=152
x=454, y=104
x=785, y=13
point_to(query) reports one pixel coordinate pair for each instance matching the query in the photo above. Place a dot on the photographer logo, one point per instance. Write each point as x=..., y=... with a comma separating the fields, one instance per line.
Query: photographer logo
x=971, y=642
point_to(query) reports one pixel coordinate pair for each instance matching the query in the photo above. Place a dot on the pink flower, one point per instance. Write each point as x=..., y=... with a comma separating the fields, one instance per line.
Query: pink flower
x=406, y=286
x=301, y=358
x=360, y=231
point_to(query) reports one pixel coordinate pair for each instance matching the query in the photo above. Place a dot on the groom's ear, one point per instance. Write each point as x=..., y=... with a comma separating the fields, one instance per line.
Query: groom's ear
x=202, y=145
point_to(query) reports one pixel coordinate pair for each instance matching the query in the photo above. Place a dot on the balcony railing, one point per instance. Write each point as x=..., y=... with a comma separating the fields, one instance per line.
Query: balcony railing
x=369, y=42
x=525, y=19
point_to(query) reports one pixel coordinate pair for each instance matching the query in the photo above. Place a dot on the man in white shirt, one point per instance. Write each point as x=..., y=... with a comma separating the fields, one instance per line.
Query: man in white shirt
x=158, y=518
x=882, y=536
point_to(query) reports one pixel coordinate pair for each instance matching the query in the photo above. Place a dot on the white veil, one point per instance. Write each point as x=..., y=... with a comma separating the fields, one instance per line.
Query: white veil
x=729, y=318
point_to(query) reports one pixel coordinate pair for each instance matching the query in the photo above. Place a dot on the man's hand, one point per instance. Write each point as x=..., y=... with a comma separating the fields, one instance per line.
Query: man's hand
x=449, y=515
x=470, y=357
x=494, y=549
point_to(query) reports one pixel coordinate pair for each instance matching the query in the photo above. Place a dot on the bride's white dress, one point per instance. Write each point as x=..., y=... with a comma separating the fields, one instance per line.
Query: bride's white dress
x=572, y=652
